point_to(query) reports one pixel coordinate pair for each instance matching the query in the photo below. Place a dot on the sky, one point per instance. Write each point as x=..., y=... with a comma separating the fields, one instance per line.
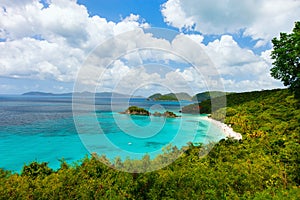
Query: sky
x=140, y=47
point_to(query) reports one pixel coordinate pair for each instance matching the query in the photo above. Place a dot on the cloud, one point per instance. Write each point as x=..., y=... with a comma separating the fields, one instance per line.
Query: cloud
x=262, y=20
x=31, y=58
x=231, y=67
x=54, y=42
x=241, y=69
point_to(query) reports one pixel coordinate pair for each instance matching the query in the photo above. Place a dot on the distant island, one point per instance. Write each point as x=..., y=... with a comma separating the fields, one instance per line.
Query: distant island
x=170, y=97
x=45, y=94
x=134, y=110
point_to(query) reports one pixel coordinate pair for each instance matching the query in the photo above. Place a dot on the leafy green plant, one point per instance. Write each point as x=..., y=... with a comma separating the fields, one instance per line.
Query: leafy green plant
x=286, y=55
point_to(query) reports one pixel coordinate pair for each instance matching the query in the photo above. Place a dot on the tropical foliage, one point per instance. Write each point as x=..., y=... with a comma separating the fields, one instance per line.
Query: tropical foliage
x=170, y=97
x=134, y=110
x=207, y=95
x=286, y=55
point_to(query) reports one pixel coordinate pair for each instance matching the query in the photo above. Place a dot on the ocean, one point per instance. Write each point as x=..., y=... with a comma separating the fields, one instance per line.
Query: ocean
x=44, y=129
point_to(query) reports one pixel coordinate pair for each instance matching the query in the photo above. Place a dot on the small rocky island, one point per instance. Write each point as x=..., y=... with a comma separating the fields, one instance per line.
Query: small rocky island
x=134, y=110
x=165, y=114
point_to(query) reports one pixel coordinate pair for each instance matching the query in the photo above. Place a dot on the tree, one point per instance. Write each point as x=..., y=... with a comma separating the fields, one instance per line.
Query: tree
x=286, y=53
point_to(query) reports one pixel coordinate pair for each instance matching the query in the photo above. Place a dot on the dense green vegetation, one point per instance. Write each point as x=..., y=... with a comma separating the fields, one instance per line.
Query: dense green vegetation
x=134, y=110
x=184, y=96
x=207, y=95
x=286, y=55
x=167, y=114
x=234, y=99
x=264, y=165
x=170, y=97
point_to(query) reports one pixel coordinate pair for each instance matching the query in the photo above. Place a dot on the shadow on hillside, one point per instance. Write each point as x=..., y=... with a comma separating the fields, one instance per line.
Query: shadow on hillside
x=297, y=97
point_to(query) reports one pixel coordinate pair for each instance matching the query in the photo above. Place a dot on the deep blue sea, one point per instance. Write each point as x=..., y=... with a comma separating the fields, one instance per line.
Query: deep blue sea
x=39, y=128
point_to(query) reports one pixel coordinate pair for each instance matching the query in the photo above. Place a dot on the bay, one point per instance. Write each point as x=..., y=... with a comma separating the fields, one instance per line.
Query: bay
x=37, y=128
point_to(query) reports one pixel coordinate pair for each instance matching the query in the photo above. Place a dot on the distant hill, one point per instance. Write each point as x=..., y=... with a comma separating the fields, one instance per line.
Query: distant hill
x=208, y=95
x=170, y=97
x=99, y=95
x=155, y=96
x=45, y=94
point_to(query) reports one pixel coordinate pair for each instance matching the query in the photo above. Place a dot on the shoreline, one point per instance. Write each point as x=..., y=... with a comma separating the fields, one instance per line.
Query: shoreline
x=227, y=130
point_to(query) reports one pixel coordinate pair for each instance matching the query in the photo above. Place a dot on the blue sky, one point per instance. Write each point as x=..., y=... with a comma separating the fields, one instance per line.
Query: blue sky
x=45, y=45
x=115, y=10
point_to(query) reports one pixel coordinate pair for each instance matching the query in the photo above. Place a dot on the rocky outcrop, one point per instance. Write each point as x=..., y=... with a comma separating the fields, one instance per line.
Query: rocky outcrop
x=134, y=110
x=170, y=114
x=167, y=114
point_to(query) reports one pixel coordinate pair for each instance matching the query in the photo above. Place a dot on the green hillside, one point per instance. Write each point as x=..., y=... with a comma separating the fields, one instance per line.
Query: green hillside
x=170, y=97
x=207, y=95
x=264, y=165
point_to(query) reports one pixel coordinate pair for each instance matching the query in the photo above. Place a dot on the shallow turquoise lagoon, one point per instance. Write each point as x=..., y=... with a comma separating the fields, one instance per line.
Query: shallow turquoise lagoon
x=43, y=129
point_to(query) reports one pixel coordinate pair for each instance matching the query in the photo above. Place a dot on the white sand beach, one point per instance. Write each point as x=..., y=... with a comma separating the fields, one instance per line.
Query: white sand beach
x=227, y=130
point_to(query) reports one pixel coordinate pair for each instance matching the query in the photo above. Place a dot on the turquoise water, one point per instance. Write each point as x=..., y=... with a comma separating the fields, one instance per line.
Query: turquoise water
x=43, y=129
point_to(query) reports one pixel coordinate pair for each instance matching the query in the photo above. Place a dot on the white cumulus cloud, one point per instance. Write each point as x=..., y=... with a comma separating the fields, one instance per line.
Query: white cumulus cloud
x=52, y=42
x=261, y=20
x=55, y=42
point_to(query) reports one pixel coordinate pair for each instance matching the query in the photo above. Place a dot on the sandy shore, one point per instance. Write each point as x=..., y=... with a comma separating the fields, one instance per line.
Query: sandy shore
x=227, y=130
